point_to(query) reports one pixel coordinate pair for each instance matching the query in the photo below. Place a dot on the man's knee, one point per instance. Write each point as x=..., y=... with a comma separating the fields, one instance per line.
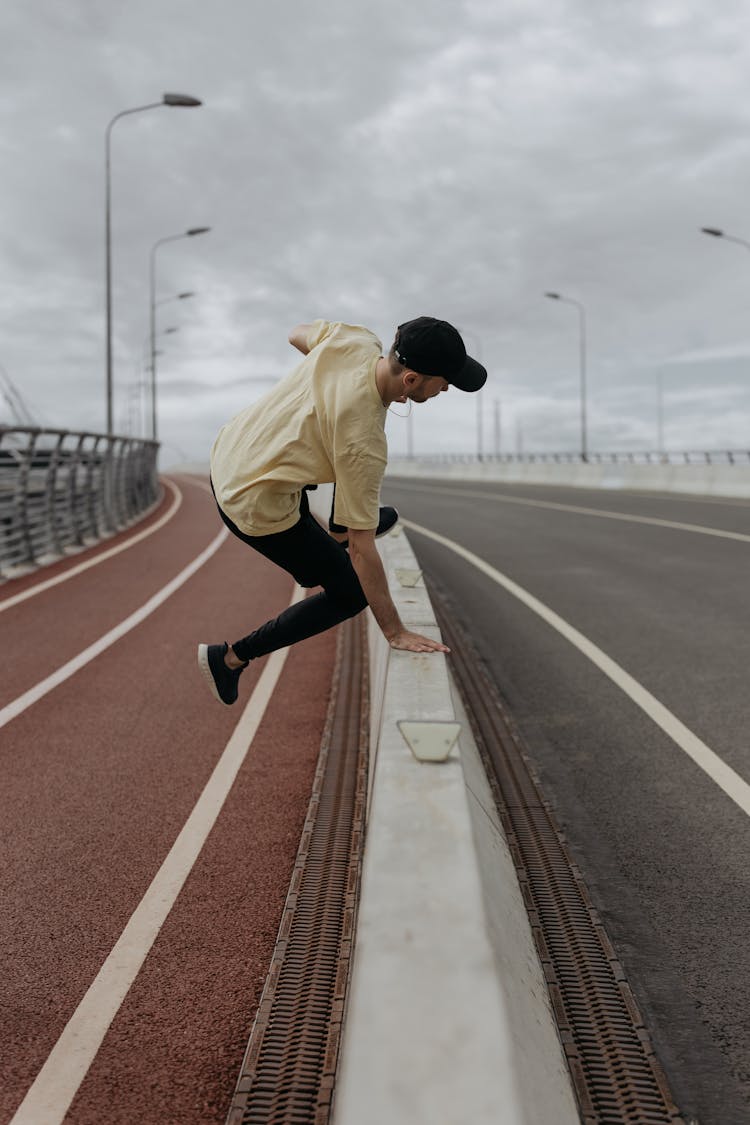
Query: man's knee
x=347, y=593
x=356, y=602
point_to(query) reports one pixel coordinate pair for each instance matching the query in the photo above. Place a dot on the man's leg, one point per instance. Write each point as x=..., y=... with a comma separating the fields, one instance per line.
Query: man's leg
x=313, y=558
x=387, y=518
x=333, y=527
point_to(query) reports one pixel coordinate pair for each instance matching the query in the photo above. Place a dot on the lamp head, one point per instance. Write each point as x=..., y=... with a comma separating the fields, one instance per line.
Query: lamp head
x=553, y=296
x=180, y=99
x=714, y=231
x=197, y=230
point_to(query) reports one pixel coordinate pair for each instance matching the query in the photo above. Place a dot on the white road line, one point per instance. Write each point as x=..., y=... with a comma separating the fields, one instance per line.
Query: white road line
x=638, y=493
x=603, y=513
x=202, y=484
x=66, y=574
x=725, y=777
x=33, y=695
x=49, y=1097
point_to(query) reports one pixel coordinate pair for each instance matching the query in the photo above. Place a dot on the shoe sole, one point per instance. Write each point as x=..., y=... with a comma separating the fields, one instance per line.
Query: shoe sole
x=388, y=530
x=205, y=668
x=378, y=534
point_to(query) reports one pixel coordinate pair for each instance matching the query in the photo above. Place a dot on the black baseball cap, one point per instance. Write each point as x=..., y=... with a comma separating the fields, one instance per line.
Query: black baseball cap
x=434, y=347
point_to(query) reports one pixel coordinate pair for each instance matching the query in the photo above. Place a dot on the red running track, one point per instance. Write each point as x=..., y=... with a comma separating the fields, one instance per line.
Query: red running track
x=99, y=776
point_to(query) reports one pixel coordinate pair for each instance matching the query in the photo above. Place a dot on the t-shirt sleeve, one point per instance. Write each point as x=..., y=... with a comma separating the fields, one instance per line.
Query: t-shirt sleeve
x=353, y=423
x=318, y=332
x=358, y=480
x=360, y=458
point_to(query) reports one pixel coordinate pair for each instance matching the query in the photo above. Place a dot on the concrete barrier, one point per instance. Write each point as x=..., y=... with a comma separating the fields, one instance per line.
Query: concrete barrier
x=709, y=480
x=448, y=1017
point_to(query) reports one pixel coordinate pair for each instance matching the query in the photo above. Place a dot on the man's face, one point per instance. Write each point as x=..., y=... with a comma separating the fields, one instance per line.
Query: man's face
x=426, y=387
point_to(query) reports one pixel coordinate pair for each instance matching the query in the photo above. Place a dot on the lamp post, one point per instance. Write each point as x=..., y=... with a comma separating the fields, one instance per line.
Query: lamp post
x=185, y=101
x=152, y=310
x=147, y=383
x=716, y=233
x=582, y=338
x=477, y=347
x=660, y=414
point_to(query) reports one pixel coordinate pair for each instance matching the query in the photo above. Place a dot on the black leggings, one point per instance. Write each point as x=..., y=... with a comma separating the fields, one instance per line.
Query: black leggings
x=313, y=558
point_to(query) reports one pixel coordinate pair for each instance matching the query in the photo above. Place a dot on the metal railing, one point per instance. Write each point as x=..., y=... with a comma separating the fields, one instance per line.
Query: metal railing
x=644, y=457
x=62, y=491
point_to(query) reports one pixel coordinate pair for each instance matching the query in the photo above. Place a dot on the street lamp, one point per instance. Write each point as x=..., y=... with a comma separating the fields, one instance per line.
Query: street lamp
x=147, y=357
x=496, y=447
x=660, y=415
x=185, y=101
x=152, y=309
x=176, y=297
x=582, y=327
x=477, y=348
x=716, y=233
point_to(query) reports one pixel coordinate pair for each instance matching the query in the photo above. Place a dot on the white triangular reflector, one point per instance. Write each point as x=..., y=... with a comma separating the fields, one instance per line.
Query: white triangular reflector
x=409, y=577
x=429, y=741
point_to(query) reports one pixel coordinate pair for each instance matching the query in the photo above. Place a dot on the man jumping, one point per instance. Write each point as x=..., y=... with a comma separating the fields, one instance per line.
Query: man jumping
x=325, y=423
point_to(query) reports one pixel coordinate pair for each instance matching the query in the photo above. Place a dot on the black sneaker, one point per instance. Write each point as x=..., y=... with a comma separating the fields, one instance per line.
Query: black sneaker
x=222, y=680
x=388, y=519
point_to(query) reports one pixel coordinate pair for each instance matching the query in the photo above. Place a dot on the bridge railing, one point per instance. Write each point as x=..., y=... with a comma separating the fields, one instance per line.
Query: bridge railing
x=619, y=457
x=61, y=491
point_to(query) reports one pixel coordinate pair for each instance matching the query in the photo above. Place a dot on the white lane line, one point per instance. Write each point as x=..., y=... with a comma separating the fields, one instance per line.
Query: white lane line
x=66, y=574
x=725, y=777
x=34, y=694
x=49, y=1097
x=638, y=493
x=603, y=513
x=199, y=483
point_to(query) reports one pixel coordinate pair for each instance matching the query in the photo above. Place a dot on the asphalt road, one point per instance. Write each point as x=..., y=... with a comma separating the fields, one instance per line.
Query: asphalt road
x=102, y=773
x=663, y=847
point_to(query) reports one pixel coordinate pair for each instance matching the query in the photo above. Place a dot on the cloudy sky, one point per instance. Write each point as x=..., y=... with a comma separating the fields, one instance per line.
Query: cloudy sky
x=372, y=162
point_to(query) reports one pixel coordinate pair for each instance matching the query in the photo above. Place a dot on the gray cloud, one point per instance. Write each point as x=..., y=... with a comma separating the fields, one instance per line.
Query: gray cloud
x=372, y=163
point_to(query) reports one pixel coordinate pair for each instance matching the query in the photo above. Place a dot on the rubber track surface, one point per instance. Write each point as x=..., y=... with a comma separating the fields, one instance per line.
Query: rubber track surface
x=98, y=778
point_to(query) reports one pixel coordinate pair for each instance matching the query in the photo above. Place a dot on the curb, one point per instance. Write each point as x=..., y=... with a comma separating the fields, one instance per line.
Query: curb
x=448, y=1017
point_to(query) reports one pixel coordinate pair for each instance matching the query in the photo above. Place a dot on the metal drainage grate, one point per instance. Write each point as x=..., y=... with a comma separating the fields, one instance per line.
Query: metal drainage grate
x=289, y=1068
x=615, y=1072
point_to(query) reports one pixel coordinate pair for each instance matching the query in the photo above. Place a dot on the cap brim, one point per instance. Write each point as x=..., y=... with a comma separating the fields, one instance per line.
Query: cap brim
x=471, y=377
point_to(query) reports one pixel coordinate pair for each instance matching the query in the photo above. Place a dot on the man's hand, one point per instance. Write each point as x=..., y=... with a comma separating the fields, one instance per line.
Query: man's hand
x=415, y=642
x=367, y=563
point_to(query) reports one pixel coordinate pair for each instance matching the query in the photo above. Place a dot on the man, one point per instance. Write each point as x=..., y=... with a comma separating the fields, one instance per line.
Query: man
x=325, y=422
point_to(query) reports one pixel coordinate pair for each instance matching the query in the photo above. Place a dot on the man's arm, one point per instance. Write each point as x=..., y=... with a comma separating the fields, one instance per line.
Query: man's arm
x=299, y=336
x=369, y=567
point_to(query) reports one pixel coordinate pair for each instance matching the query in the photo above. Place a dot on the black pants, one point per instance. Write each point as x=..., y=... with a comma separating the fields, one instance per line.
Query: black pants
x=313, y=558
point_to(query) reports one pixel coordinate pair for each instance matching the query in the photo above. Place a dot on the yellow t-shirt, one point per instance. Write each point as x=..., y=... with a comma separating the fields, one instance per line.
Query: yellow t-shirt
x=324, y=422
